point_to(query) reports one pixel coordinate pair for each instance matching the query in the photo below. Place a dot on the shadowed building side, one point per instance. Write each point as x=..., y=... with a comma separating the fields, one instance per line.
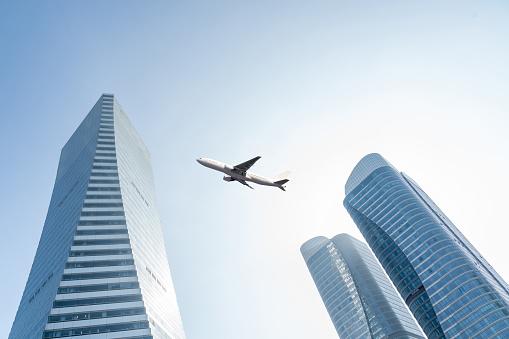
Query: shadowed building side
x=71, y=184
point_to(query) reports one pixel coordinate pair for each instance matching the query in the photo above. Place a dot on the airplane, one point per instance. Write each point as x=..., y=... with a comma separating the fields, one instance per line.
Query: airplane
x=240, y=173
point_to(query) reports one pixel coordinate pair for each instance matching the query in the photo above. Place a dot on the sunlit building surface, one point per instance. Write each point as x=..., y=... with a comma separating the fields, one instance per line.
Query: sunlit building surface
x=361, y=301
x=449, y=287
x=100, y=269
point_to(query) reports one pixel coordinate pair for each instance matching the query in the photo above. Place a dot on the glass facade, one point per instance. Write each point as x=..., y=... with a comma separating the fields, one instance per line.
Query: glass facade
x=101, y=269
x=449, y=287
x=361, y=301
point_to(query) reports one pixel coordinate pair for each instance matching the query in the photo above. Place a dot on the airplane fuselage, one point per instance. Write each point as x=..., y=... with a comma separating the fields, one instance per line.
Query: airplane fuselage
x=232, y=174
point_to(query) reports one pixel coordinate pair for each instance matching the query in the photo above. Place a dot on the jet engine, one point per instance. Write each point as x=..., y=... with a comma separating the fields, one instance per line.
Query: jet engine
x=228, y=178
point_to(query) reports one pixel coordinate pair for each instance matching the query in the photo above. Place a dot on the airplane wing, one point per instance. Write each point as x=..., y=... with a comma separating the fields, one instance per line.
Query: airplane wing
x=246, y=165
x=243, y=182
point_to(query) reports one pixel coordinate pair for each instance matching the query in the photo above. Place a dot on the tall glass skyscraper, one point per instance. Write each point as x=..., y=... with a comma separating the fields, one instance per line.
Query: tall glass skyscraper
x=449, y=287
x=361, y=301
x=101, y=269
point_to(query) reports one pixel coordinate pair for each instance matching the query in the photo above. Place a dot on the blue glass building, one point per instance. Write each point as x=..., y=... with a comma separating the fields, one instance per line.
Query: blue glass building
x=449, y=287
x=361, y=301
x=101, y=269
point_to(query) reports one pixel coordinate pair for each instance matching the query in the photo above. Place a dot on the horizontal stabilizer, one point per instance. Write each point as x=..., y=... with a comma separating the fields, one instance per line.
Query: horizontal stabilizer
x=281, y=182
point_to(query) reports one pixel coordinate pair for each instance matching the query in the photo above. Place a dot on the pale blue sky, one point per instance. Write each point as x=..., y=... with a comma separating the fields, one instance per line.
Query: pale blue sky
x=312, y=87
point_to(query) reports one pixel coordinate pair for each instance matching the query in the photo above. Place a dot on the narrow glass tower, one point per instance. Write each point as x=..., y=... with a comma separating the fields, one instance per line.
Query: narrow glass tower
x=449, y=287
x=101, y=268
x=361, y=301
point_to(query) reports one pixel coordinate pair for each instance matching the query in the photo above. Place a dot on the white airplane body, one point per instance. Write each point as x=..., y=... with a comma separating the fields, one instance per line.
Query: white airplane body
x=240, y=173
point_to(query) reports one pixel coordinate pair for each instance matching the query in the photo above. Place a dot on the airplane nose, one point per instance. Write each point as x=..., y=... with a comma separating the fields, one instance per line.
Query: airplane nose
x=200, y=161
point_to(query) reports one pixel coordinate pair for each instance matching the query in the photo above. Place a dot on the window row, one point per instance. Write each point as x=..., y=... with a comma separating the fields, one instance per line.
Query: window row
x=103, y=174
x=99, y=174
x=102, y=204
x=105, y=161
x=103, y=189
x=98, y=275
x=102, y=232
x=95, y=329
x=100, y=222
x=100, y=242
x=105, y=167
x=96, y=314
x=101, y=263
x=106, y=148
x=100, y=287
x=99, y=154
x=119, y=251
x=105, y=196
x=102, y=213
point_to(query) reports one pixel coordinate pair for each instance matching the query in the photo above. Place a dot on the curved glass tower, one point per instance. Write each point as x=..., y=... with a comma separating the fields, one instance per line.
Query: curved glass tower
x=101, y=269
x=361, y=301
x=449, y=287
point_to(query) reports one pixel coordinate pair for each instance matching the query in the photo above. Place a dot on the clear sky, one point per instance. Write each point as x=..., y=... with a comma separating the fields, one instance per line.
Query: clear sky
x=311, y=86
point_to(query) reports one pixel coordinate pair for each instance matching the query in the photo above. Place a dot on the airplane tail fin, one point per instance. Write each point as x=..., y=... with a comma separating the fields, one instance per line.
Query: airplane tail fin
x=281, y=176
x=281, y=179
